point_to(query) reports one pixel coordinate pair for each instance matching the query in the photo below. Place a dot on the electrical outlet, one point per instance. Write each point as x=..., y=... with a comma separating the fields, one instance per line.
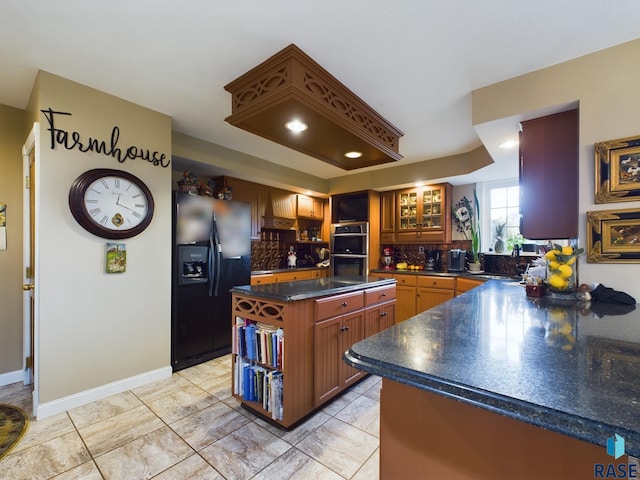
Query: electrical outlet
x=421, y=250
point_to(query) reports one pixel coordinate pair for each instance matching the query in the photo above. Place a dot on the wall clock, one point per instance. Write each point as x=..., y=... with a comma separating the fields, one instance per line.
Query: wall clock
x=111, y=203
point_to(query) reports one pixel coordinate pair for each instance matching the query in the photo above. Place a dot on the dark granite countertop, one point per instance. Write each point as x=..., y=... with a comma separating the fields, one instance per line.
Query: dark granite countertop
x=281, y=270
x=305, y=289
x=555, y=364
x=479, y=276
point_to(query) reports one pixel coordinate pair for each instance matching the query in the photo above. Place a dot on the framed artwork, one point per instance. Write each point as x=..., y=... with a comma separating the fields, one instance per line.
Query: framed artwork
x=613, y=236
x=618, y=170
x=116, y=258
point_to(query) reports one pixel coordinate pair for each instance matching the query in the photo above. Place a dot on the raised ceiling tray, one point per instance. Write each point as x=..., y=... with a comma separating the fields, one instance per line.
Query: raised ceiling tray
x=292, y=85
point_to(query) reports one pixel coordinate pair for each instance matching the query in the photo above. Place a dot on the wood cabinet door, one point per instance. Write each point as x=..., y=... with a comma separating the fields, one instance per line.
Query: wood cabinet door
x=317, y=208
x=351, y=331
x=250, y=193
x=430, y=297
x=379, y=318
x=405, y=303
x=549, y=170
x=408, y=210
x=387, y=212
x=331, y=338
x=304, y=206
x=327, y=359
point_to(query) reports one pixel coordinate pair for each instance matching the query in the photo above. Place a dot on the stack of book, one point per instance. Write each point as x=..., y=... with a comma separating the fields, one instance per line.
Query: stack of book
x=255, y=383
x=259, y=342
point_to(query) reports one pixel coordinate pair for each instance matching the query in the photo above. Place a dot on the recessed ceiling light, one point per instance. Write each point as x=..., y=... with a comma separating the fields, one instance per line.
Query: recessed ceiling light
x=296, y=126
x=508, y=144
x=353, y=154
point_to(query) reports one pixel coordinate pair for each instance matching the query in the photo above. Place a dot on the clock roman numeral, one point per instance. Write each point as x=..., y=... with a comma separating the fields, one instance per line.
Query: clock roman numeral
x=91, y=201
x=103, y=182
x=136, y=214
x=116, y=182
x=104, y=220
x=95, y=191
x=94, y=211
x=138, y=195
x=139, y=205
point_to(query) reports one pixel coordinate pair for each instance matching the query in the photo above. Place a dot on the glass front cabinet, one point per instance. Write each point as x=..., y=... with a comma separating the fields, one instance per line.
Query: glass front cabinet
x=424, y=214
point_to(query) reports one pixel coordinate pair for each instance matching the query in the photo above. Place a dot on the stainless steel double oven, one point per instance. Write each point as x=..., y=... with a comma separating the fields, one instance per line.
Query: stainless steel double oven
x=349, y=249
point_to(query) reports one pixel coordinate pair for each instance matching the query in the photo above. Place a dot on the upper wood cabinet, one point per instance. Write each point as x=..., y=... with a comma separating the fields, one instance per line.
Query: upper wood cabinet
x=387, y=217
x=423, y=215
x=248, y=192
x=310, y=207
x=549, y=177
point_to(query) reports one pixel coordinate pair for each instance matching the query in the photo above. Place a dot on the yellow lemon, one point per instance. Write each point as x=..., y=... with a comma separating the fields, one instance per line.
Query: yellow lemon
x=553, y=265
x=565, y=271
x=551, y=254
x=565, y=328
x=556, y=281
x=572, y=260
x=557, y=315
x=567, y=250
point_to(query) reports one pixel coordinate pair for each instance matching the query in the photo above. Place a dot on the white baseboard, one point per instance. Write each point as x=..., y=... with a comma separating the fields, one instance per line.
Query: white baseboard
x=11, y=377
x=60, y=405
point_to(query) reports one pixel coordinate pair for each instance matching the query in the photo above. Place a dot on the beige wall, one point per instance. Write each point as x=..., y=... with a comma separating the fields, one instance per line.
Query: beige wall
x=605, y=84
x=98, y=329
x=240, y=165
x=11, y=139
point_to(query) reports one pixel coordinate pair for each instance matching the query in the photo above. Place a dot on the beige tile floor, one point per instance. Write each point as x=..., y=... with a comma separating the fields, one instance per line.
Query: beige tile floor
x=190, y=427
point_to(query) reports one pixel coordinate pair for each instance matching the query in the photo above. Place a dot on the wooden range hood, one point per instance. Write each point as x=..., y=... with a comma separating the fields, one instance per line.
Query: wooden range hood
x=290, y=85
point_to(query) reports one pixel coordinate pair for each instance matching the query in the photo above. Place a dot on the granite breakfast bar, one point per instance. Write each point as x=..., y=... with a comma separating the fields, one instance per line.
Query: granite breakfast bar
x=493, y=384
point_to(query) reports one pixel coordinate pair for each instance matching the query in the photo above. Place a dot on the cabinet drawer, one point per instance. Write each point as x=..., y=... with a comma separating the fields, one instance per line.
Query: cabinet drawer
x=379, y=294
x=293, y=276
x=263, y=279
x=407, y=280
x=338, y=305
x=437, y=282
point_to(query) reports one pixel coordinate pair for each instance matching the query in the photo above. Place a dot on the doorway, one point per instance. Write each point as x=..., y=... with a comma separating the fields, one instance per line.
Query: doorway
x=30, y=280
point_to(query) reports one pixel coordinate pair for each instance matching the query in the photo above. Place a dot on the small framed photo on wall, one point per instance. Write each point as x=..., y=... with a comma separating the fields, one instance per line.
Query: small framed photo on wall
x=116, y=261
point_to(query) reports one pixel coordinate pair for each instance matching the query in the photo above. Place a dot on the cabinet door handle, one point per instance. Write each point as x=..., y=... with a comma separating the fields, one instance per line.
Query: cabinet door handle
x=383, y=294
x=344, y=304
x=383, y=314
x=344, y=329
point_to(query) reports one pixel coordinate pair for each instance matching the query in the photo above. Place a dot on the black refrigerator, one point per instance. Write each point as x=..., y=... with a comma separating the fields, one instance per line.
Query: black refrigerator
x=211, y=254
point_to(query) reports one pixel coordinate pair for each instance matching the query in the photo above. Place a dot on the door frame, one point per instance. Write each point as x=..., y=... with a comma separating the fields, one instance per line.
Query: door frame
x=31, y=145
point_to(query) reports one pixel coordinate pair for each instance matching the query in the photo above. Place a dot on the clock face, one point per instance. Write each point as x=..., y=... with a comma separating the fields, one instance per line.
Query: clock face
x=111, y=203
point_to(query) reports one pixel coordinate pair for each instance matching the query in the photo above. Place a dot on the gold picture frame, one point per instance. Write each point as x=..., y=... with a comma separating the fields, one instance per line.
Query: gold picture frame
x=617, y=170
x=613, y=236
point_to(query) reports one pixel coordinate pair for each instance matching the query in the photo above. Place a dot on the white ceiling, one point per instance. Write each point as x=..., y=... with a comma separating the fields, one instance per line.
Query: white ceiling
x=414, y=61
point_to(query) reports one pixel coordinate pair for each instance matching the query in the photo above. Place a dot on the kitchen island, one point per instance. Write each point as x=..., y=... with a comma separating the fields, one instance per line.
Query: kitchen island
x=289, y=338
x=493, y=384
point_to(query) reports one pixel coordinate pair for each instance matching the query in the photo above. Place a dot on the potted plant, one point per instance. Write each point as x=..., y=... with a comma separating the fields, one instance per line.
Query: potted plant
x=467, y=218
x=498, y=247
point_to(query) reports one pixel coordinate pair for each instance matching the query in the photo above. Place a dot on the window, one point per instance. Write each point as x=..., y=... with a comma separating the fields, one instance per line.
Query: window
x=500, y=213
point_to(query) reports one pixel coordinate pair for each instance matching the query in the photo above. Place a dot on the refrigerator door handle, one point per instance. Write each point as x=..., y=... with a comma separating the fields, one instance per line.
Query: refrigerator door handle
x=218, y=257
x=210, y=266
